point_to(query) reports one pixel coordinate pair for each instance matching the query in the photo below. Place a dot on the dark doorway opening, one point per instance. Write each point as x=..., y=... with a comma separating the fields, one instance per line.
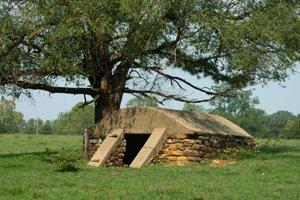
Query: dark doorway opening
x=134, y=143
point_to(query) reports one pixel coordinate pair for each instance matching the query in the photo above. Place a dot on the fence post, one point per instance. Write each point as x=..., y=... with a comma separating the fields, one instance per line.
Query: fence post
x=86, y=144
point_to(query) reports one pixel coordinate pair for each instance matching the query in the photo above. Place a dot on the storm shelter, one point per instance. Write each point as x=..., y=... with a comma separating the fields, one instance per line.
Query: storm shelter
x=135, y=137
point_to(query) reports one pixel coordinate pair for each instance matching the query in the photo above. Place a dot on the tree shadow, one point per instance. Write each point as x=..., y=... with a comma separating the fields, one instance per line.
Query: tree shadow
x=73, y=170
x=16, y=155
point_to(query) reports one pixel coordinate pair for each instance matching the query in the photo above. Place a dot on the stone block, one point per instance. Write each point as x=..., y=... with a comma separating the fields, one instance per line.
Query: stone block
x=193, y=159
x=196, y=146
x=181, y=159
x=175, y=146
x=174, y=153
x=190, y=153
x=190, y=141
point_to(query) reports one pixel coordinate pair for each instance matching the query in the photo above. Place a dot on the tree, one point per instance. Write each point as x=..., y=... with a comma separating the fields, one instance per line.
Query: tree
x=239, y=107
x=74, y=121
x=141, y=101
x=47, y=128
x=30, y=127
x=254, y=121
x=292, y=129
x=233, y=105
x=277, y=121
x=107, y=48
x=11, y=121
x=193, y=107
x=33, y=126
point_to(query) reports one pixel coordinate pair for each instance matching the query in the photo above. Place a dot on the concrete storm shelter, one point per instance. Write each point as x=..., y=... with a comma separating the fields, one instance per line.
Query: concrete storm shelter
x=135, y=137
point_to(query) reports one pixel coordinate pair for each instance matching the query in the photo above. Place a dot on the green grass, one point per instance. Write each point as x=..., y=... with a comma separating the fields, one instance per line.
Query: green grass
x=271, y=173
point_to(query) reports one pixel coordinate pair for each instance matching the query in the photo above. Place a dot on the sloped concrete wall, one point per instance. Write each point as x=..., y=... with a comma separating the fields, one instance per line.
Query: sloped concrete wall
x=177, y=123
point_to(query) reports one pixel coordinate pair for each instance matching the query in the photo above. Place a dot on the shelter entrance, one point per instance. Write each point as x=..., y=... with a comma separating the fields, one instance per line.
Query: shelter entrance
x=139, y=149
x=134, y=143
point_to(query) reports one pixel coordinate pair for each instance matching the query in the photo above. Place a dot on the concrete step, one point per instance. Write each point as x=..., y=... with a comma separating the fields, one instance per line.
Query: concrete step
x=152, y=146
x=109, y=144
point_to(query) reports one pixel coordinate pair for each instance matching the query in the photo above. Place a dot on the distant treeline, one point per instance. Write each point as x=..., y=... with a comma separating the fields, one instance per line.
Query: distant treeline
x=72, y=122
x=240, y=109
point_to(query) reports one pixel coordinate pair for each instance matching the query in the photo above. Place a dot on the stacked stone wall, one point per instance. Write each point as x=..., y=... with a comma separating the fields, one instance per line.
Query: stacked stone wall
x=195, y=148
x=189, y=149
x=116, y=159
x=92, y=147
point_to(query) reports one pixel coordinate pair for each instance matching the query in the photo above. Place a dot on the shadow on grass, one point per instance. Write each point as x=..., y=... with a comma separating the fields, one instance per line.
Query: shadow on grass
x=16, y=155
x=73, y=170
x=43, y=156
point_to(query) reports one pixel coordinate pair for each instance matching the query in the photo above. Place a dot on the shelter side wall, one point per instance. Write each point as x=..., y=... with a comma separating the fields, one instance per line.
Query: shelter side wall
x=195, y=148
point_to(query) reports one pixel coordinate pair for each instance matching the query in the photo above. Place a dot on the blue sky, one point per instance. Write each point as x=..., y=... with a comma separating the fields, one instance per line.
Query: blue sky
x=273, y=97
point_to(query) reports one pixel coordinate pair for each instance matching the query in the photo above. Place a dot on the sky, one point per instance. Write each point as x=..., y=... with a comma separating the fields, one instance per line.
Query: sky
x=273, y=97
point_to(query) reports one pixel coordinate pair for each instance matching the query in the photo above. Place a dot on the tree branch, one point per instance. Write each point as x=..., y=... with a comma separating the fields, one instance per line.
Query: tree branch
x=184, y=81
x=166, y=97
x=51, y=89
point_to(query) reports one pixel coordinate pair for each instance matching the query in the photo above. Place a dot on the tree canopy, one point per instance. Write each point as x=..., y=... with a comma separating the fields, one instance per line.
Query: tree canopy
x=110, y=47
x=235, y=104
x=11, y=121
x=239, y=107
x=292, y=129
x=141, y=101
x=277, y=121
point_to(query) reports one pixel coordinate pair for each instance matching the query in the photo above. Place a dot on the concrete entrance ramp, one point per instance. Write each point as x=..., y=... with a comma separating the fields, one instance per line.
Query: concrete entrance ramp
x=103, y=153
x=152, y=146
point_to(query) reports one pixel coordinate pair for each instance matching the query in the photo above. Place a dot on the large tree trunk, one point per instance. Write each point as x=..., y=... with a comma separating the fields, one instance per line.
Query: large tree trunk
x=106, y=105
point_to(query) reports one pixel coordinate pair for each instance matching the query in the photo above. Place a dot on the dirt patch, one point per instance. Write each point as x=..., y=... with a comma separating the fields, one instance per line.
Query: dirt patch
x=221, y=162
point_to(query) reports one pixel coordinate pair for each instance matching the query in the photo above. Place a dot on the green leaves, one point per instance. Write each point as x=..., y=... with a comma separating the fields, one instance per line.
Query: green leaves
x=141, y=101
x=85, y=42
x=74, y=121
x=11, y=121
x=292, y=129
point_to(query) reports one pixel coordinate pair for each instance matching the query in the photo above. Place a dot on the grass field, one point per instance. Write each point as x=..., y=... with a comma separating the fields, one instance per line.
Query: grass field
x=271, y=173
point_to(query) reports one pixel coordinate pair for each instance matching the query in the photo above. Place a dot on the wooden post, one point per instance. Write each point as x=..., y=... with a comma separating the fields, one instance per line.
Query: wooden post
x=87, y=144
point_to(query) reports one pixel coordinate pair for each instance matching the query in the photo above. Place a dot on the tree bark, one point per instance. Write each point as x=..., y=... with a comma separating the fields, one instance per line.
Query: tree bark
x=106, y=105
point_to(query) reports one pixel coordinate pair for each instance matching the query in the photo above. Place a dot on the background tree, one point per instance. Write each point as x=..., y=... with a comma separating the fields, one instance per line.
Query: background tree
x=11, y=121
x=239, y=107
x=47, y=128
x=33, y=126
x=141, y=101
x=30, y=127
x=233, y=105
x=74, y=121
x=254, y=122
x=277, y=121
x=193, y=107
x=292, y=129
x=110, y=47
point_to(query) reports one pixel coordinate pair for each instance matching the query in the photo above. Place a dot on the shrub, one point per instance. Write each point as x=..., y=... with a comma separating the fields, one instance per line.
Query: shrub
x=47, y=155
x=67, y=160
